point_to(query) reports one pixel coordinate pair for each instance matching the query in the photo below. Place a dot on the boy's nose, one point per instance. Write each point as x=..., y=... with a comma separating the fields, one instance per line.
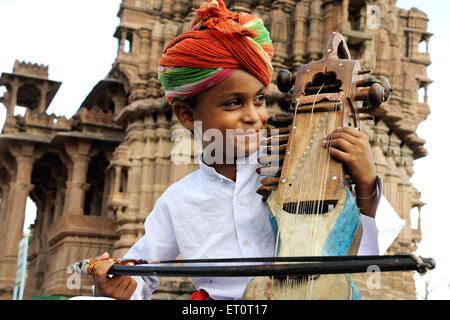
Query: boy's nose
x=255, y=114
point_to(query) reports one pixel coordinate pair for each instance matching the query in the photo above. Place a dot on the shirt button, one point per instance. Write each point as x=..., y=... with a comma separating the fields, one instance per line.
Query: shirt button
x=246, y=243
x=239, y=200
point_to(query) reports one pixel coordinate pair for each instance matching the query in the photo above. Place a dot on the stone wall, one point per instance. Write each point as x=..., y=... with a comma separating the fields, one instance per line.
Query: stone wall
x=124, y=134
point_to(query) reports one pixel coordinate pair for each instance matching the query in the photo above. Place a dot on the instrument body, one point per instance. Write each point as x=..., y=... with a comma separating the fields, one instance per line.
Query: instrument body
x=313, y=209
x=315, y=218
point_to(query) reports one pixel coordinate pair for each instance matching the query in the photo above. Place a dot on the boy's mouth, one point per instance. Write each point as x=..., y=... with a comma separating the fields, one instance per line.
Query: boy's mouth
x=248, y=133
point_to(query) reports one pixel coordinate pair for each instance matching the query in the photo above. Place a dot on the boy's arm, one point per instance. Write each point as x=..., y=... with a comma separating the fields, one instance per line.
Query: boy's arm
x=158, y=243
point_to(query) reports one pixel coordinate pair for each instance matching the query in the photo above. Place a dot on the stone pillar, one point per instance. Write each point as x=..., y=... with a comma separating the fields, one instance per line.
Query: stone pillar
x=300, y=27
x=392, y=174
x=278, y=33
x=345, y=22
x=379, y=147
x=155, y=53
x=116, y=184
x=182, y=151
x=329, y=19
x=13, y=98
x=404, y=281
x=68, y=163
x=315, y=38
x=59, y=176
x=162, y=156
x=40, y=245
x=135, y=140
x=148, y=166
x=122, y=38
x=80, y=153
x=383, y=54
x=405, y=192
x=130, y=152
x=78, y=185
x=36, y=269
x=59, y=197
x=4, y=210
x=119, y=103
x=43, y=98
x=166, y=9
x=25, y=156
x=144, y=52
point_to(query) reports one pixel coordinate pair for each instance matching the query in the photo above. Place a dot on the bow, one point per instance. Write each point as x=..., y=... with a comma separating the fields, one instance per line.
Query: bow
x=264, y=266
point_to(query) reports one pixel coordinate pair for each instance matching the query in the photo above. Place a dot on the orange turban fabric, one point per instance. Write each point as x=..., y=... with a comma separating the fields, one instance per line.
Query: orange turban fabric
x=219, y=43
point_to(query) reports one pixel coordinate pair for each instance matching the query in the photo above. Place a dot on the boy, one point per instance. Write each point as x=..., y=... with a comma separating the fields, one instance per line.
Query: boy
x=218, y=74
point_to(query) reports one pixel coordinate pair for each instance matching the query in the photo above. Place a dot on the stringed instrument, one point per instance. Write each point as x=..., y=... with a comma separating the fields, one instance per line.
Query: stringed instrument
x=315, y=218
x=310, y=197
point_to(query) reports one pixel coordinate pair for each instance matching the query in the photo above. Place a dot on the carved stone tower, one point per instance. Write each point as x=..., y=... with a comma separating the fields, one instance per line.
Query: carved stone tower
x=95, y=177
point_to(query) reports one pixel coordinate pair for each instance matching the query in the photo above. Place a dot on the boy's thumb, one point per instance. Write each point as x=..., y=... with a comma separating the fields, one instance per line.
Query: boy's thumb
x=105, y=255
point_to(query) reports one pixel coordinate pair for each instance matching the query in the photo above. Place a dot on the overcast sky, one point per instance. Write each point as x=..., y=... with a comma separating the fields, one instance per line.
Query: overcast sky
x=75, y=38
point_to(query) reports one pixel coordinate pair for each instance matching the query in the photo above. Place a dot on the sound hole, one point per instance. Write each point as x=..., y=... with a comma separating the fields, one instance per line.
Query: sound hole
x=325, y=82
x=310, y=207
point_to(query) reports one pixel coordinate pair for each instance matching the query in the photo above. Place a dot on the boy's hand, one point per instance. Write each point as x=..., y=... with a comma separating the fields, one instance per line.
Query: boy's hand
x=348, y=145
x=352, y=148
x=120, y=288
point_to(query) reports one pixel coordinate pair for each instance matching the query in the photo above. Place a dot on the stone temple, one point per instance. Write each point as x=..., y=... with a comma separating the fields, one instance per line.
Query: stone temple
x=95, y=177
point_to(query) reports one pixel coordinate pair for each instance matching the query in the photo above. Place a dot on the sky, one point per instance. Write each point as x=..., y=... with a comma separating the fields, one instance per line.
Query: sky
x=75, y=39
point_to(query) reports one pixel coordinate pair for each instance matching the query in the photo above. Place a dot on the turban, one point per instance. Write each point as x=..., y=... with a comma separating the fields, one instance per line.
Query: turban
x=220, y=41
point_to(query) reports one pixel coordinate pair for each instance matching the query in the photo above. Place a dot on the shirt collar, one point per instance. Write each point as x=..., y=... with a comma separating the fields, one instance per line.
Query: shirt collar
x=247, y=163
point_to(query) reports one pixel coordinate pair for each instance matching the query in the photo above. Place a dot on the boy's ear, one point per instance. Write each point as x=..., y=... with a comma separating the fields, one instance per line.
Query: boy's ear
x=184, y=114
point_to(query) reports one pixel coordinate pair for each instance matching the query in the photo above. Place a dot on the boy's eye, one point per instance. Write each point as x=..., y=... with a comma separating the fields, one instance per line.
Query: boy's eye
x=261, y=98
x=232, y=103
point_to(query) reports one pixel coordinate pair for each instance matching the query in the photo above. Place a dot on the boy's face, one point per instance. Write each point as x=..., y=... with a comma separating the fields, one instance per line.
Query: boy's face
x=235, y=108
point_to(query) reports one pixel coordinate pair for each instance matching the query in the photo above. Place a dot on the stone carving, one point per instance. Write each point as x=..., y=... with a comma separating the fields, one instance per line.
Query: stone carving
x=97, y=175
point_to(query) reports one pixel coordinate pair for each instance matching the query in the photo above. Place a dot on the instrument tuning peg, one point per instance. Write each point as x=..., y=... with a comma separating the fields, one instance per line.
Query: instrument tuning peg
x=366, y=82
x=285, y=80
x=387, y=88
x=374, y=95
x=366, y=117
x=364, y=71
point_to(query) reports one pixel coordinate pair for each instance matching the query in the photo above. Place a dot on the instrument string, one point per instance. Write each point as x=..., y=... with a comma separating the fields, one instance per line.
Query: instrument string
x=310, y=168
x=298, y=198
x=284, y=196
x=321, y=173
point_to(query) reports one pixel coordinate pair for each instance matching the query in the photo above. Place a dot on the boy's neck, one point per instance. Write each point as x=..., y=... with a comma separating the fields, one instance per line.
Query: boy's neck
x=227, y=170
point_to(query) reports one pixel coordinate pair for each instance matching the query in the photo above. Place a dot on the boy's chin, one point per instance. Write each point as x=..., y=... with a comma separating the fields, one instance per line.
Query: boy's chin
x=246, y=151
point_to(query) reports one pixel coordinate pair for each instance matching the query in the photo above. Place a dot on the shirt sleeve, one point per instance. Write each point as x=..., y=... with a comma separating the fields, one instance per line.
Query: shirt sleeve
x=381, y=231
x=158, y=243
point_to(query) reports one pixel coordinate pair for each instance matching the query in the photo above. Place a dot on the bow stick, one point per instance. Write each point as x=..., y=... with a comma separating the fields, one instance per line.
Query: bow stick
x=296, y=266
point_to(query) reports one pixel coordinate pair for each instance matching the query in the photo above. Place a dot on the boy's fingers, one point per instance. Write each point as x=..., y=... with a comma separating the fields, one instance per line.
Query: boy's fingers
x=101, y=271
x=118, y=282
x=339, y=143
x=123, y=283
x=342, y=135
x=351, y=131
x=131, y=287
x=339, y=155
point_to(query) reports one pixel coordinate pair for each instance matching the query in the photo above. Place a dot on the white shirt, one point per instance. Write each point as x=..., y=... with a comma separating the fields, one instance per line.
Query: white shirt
x=206, y=215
